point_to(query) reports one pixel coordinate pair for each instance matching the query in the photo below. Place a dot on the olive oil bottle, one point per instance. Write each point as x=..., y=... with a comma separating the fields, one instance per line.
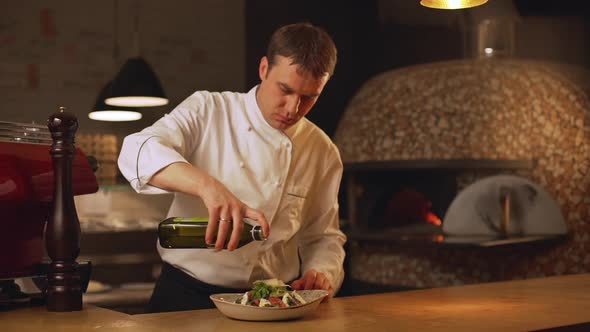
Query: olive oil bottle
x=190, y=233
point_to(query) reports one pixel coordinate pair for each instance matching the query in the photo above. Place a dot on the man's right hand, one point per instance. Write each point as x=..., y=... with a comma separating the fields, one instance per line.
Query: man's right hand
x=220, y=202
x=225, y=208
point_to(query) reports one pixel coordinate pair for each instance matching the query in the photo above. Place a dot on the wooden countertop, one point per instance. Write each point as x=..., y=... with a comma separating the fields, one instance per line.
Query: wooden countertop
x=522, y=305
x=90, y=319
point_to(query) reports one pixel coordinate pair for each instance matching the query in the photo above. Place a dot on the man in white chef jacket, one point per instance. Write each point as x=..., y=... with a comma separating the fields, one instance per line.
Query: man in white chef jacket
x=248, y=155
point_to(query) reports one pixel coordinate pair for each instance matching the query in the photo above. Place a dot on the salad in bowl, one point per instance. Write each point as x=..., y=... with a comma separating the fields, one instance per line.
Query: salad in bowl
x=268, y=300
x=271, y=293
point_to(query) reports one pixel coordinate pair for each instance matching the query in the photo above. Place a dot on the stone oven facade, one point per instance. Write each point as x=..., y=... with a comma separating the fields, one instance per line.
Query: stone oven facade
x=492, y=109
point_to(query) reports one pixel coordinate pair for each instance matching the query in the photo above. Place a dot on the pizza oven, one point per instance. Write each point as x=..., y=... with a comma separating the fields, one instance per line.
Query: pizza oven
x=466, y=171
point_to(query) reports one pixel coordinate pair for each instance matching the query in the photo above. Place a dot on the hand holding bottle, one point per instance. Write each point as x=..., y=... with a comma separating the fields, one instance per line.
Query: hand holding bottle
x=225, y=209
x=220, y=202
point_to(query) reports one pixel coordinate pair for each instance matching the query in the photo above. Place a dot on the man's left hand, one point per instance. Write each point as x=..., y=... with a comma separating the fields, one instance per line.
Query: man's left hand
x=313, y=279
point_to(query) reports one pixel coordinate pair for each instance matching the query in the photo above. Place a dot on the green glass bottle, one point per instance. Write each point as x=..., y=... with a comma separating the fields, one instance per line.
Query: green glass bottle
x=190, y=233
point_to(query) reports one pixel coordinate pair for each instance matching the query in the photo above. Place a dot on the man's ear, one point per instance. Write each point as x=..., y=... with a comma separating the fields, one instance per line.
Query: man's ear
x=263, y=68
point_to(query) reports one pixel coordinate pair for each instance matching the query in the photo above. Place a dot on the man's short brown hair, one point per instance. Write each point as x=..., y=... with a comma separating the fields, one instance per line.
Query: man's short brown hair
x=306, y=45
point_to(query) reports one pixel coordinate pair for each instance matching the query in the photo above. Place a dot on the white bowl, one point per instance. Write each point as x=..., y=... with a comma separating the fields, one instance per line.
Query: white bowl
x=226, y=304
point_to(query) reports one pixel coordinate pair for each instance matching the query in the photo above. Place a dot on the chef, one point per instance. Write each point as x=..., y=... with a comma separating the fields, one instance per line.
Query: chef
x=248, y=155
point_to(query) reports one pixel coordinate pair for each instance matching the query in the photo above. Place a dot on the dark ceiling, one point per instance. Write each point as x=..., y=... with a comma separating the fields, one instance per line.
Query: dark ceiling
x=552, y=7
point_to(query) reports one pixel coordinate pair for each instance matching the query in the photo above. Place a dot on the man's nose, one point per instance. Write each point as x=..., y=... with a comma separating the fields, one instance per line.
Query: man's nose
x=293, y=105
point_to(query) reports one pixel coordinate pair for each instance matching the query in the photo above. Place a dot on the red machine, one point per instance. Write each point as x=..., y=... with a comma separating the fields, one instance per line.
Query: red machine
x=26, y=195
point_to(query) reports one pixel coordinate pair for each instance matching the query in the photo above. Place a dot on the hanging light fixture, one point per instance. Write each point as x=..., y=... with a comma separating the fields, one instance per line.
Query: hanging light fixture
x=136, y=84
x=452, y=4
x=102, y=111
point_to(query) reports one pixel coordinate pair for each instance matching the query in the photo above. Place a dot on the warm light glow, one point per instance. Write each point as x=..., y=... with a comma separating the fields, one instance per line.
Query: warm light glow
x=433, y=219
x=439, y=238
x=136, y=101
x=488, y=51
x=452, y=4
x=115, y=116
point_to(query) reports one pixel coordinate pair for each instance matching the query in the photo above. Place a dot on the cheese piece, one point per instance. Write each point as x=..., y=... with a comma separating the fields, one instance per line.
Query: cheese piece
x=244, y=299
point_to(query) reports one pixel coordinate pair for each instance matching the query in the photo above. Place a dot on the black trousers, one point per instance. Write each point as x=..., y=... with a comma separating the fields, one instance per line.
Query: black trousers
x=176, y=291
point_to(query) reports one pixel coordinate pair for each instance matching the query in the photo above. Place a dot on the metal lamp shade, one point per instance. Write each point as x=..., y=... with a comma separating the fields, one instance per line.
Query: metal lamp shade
x=136, y=85
x=452, y=4
x=104, y=112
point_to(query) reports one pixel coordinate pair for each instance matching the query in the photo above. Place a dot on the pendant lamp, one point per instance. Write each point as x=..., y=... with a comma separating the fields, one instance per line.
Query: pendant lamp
x=136, y=84
x=104, y=112
x=452, y=4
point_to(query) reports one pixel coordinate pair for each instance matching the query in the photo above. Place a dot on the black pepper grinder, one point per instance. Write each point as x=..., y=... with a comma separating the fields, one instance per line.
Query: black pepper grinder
x=62, y=235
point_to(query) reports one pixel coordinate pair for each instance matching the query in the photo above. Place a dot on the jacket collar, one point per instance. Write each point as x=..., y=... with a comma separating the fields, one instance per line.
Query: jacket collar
x=258, y=122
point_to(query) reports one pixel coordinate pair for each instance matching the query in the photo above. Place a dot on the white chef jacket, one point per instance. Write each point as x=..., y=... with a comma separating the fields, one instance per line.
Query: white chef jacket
x=293, y=177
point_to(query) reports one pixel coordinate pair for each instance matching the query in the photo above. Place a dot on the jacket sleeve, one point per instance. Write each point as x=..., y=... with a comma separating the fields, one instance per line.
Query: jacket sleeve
x=169, y=140
x=321, y=242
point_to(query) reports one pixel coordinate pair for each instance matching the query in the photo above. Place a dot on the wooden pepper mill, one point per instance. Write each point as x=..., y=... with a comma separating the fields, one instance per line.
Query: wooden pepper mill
x=62, y=235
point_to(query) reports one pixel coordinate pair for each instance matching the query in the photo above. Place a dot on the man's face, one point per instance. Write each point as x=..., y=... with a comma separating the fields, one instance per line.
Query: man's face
x=285, y=95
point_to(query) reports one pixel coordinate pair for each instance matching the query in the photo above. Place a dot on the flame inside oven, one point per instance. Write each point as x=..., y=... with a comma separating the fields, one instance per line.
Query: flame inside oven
x=409, y=206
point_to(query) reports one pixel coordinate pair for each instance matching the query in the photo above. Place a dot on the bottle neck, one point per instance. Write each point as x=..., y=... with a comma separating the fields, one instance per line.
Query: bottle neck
x=257, y=234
